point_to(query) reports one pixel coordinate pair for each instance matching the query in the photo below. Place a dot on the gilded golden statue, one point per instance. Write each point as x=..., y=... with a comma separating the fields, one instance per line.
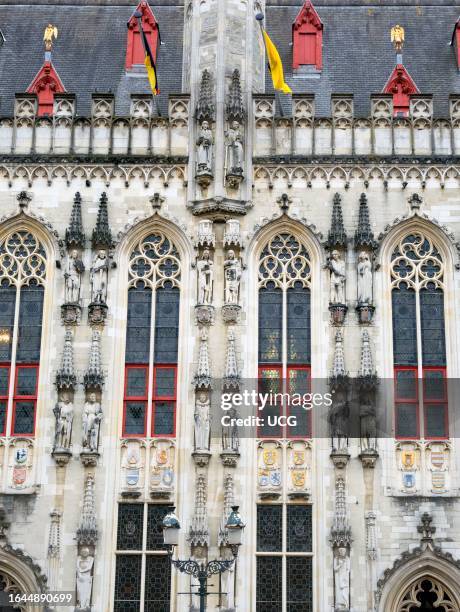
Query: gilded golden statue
x=51, y=32
x=397, y=37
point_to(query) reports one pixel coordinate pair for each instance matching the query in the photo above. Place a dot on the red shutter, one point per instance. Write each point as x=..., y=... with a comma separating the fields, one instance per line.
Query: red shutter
x=307, y=48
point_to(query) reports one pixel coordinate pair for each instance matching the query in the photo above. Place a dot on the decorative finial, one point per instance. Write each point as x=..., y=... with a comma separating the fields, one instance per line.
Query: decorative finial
x=51, y=32
x=205, y=106
x=102, y=236
x=338, y=365
x=367, y=365
x=87, y=530
x=397, y=37
x=94, y=377
x=363, y=235
x=74, y=236
x=337, y=236
x=65, y=376
x=235, y=108
x=415, y=202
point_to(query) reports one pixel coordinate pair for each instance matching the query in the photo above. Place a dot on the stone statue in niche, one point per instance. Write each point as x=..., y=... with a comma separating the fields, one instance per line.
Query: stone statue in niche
x=202, y=422
x=205, y=278
x=338, y=417
x=85, y=562
x=234, y=149
x=232, y=274
x=63, y=412
x=99, y=276
x=364, y=278
x=72, y=277
x=368, y=417
x=336, y=265
x=342, y=579
x=92, y=416
x=204, y=152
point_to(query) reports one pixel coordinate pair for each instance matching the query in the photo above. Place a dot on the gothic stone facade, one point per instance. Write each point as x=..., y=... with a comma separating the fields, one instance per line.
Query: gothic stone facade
x=148, y=260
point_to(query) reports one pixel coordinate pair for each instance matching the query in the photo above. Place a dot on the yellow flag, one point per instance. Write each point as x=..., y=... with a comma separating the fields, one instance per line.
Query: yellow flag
x=276, y=66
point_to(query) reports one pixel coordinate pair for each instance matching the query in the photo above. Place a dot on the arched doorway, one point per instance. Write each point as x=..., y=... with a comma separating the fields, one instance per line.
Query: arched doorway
x=20, y=575
x=9, y=586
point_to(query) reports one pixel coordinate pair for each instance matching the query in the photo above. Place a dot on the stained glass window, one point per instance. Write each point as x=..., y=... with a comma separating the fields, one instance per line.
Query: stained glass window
x=419, y=338
x=284, y=326
x=140, y=531
x=284, y=557
x=22, y=278
x=152, y=337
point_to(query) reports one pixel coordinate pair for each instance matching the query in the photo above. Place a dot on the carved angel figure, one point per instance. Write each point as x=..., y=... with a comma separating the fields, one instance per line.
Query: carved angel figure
x=50, y=32
x=397, y=37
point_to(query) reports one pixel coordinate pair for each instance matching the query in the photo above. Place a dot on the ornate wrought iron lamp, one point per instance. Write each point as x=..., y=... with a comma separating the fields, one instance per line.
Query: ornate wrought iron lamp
x=203, y=571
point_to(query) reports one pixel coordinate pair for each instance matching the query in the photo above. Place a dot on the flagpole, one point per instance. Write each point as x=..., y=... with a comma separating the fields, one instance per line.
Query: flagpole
x=260, y=18
x=138, y=16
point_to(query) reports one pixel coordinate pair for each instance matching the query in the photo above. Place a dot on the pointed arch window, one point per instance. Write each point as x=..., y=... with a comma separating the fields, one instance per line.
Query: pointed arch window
x=134, y=48
x=419, y=343
x=152, y=338
x=22, y=289
x=285, y=331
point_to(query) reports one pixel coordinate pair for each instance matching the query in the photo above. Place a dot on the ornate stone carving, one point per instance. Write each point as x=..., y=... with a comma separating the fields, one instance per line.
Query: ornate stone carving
x=232, y=277
x=202, y=379
x=339, y=411
x=202, y=417
x=204, y=144
x=132, y=467
x=269, y=470
x=231, y=378
x=87, y=536
x=205, y=270
x=102, y=236
x=367, y=383
x=337, y=237
x=299, y=466
x=65, y=376
x=94, y=377
x=206, y=236
x=235, y=108
x=371, y=535
x=232, y=236
x=74, y=235
x=342, y=111
x=74, y=268
x=229, y=501
x=199, y=529
x=91, y=421
x=234, y=153
x=205, y=105
x=54, y=539
x=162, y=468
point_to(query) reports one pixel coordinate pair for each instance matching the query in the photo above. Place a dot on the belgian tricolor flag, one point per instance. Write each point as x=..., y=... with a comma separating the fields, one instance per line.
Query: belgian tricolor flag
x=149, y=60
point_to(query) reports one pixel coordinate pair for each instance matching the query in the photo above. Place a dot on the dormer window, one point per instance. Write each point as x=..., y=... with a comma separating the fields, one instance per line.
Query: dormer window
x=134, y=49
x=401, y=86
x=45, y=85
x=307, y=39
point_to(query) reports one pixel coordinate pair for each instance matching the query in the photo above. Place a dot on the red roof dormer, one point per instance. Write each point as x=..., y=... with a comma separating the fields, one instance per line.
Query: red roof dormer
x=401, y=86
x=134, y=48
x=45, y=84
x=307, y=38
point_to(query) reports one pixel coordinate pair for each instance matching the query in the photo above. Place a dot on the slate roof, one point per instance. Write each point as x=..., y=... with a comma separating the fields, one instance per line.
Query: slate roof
x=358, y=56
x=89, y=54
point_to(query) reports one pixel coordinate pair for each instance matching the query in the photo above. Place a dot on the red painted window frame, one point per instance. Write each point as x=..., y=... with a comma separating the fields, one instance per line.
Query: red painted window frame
x=164, y=398
x=150, y=27
x=421, y=402
x=135, y=398
x=285, y=410
x=5, y=398
x=405, y=400
x=20, y=398
x=431, y=402
x=144, y=398
x=307, y=22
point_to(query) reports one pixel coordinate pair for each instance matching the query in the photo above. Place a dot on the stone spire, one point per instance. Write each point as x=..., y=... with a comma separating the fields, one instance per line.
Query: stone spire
x=338, y=365
x=87, y=530
x=74, y=235
x=367, y=366
x=205, y=105
x=102, y=236
x=341, y=531
x=231, y=375
x=337, y=236
x=94, y=377
x=54, y=539
x=199, y=530
x=202, y=379
x=229, y=498
x=235, y=108
x=363, y=235
x=65, y=376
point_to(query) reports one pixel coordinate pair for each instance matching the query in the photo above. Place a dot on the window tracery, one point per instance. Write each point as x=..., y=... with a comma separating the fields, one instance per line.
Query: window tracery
x=427, y=594
x=22, y=280
x=419, y=351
